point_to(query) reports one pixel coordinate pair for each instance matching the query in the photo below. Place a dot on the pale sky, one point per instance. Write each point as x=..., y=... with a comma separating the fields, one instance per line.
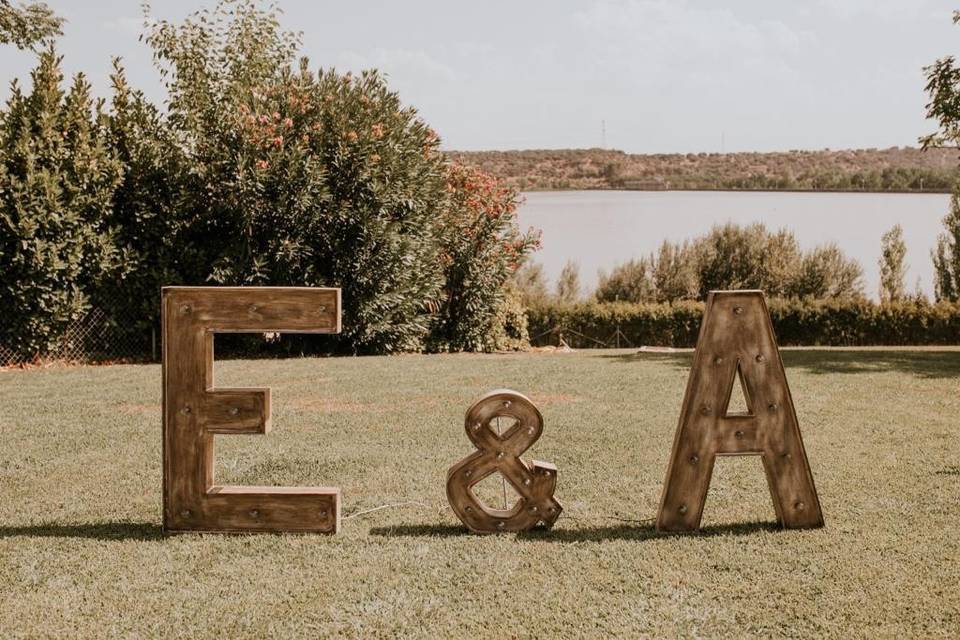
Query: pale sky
x=665, y=75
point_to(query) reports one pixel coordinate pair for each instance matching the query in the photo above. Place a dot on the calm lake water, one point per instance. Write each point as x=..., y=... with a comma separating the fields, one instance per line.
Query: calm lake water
x=599, y=229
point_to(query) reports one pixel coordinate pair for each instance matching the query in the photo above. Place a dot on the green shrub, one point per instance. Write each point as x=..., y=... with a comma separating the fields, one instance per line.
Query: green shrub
x=796, y=322
x=57, y=179
x=675, y=273
x=731, y=256
x=595, y=324
x=632, y=281
x=825, y=273
x=509, y=327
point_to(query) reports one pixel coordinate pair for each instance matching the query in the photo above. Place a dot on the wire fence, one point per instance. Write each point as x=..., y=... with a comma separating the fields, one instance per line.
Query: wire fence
x=96, y=337
x=100, y=337
x=562, y=336
x=110, y=337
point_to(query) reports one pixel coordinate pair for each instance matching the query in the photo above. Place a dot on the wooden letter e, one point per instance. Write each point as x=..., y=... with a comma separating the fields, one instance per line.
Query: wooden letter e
x=194, y=409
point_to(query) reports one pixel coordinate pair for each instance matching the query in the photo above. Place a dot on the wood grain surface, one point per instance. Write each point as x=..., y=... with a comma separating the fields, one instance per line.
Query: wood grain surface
x=194, y=409
x=737, y=341
x=534, y=481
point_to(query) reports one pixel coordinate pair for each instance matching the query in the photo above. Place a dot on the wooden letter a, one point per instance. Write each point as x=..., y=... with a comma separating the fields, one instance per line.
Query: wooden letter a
x=737, y=344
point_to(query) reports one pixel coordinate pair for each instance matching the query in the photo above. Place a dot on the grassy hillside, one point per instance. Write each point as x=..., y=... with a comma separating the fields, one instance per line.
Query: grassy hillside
x=82, y=554
x=894, y=169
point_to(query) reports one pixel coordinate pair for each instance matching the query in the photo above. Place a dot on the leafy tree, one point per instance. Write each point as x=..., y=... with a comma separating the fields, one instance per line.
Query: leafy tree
x=893, y=251
x=568, y=284
x=632, y=281
x=28, y=25
x=943, y=89
x=147, y=211
x=57, y=179
x=946, y=255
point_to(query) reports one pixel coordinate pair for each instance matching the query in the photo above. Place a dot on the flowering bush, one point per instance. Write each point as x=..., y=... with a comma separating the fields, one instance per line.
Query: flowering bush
x=297, y=178
x=326, y=179
x=483, y=247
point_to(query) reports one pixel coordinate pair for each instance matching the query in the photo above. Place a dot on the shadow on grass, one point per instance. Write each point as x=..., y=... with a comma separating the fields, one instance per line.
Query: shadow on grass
x=421, y=530
x=586, y=534
x=922, y=364
x=92, y=530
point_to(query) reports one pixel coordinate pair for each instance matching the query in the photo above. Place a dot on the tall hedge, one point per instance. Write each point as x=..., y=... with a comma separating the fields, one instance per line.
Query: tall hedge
x=57, y=177
x=148, y=217
x=795, y=322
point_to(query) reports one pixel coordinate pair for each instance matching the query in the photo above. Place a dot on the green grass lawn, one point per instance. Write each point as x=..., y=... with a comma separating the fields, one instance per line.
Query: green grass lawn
x=82, y=553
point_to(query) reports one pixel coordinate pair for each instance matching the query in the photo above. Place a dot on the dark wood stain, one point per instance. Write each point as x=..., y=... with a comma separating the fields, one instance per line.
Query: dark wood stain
x=737, y=339
x=534, y=481
x=194, y=409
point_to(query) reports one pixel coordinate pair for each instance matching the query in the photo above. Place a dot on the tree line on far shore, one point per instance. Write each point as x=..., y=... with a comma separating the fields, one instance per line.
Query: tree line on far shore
x=898, y=169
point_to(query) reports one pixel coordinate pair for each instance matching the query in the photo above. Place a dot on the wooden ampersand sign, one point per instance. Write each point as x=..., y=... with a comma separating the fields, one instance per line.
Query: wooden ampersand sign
x=533, y=481
x=194, y=409
x=737, y=343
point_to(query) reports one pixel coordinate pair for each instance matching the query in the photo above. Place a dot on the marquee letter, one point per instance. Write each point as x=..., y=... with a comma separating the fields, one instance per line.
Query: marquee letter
x=534, y=481
x=737, y=343
x=194, y=410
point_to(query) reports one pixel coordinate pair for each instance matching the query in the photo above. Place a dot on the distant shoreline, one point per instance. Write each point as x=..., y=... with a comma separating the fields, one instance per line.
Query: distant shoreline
x=893, y=170
x=721, y=190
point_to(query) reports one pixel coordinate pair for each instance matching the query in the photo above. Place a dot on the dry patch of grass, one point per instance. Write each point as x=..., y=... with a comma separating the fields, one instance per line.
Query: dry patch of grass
x=82, y=555
x=153, y=408
x=331, y=405
x=547, y=399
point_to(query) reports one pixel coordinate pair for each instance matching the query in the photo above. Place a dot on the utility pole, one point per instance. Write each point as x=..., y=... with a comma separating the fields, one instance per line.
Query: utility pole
x=603, y=134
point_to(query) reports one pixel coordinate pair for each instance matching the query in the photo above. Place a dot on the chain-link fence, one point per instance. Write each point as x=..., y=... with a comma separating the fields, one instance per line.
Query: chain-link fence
x=104, y=337
x=96, y=337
